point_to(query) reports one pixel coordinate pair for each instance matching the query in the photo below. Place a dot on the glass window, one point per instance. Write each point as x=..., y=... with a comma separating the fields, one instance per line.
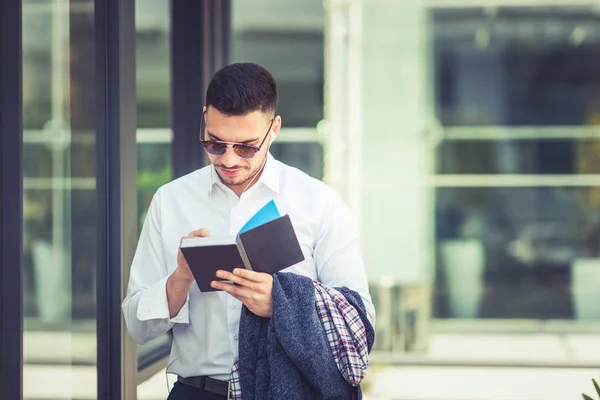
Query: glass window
x=153, y=87
x=518, y=164
x=542, y=156
x=59, y=199
x=152, y=40
x=287, y=39
x=296, y=60
x=307, y=157
x=513, y=252
x=154, y=135
x=517, y=66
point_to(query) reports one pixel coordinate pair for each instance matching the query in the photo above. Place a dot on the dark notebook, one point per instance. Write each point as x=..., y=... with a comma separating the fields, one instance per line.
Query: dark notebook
x=269, y=248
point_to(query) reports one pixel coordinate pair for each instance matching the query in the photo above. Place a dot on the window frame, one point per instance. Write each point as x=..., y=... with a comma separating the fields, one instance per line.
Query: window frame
x=11, y=200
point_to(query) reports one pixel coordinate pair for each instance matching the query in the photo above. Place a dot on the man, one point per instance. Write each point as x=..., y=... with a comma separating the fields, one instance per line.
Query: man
x=239, y=126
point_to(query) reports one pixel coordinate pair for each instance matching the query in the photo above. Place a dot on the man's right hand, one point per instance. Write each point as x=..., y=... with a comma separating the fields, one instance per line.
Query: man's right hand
x=183, y=269
x=178, y=284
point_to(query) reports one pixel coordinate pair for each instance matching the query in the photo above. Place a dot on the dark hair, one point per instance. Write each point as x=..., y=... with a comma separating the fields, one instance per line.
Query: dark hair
x=241, y=88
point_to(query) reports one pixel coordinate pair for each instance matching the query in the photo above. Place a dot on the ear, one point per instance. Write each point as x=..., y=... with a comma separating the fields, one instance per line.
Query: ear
x=273, y=137
x=276, y=127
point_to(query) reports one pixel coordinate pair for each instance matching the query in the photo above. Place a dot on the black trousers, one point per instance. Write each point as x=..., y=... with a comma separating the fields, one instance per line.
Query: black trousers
x=181, y=391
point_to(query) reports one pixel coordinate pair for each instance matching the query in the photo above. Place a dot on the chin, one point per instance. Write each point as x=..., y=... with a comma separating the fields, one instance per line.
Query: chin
x=238, y=180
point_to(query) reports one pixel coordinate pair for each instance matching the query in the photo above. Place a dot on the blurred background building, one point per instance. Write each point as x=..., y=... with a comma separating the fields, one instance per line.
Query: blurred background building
x=464, y=135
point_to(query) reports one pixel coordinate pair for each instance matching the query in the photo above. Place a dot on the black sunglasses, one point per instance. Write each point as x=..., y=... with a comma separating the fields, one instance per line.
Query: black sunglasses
x=218, y=147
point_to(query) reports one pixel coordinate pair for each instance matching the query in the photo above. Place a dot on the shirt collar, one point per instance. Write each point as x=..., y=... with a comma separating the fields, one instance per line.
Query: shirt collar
x=269, y=176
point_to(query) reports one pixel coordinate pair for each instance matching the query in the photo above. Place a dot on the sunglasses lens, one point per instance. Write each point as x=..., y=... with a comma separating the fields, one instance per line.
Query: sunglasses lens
x=214, y=148
x=244, y=151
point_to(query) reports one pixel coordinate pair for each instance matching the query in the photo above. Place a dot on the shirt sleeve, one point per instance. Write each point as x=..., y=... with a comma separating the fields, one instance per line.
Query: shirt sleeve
x=146, y=309
x=337, y=252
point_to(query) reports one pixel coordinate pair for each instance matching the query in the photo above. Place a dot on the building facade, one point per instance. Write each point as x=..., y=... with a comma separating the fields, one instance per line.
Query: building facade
x=463, y=134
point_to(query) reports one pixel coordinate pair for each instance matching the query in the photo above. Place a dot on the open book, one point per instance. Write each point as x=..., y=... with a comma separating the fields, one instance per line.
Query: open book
x=267, y=243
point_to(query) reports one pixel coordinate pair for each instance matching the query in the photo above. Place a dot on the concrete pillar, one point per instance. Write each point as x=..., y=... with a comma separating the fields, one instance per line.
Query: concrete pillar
x=398, y=157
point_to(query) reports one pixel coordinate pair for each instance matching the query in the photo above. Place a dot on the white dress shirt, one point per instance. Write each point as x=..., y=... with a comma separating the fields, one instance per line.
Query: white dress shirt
x=205, y=331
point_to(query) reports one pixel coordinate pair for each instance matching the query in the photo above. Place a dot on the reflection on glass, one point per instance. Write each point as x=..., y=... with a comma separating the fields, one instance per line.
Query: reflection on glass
x=544, y=156
x=153, y=78
x=287, y=38
x=516, y=252
x=307, y=157
x=291, y=49
x=59, y=199
x=154, y=170
x=154, y=136
x=517, y=66
x=517, y=93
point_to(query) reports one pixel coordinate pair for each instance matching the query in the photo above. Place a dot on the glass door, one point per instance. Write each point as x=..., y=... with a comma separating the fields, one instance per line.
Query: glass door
x=59, y=199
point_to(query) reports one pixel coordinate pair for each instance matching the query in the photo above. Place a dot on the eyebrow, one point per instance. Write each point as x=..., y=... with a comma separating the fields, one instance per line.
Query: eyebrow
x=214, y=137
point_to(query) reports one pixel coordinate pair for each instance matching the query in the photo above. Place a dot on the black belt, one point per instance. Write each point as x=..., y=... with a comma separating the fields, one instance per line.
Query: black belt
x=207, y=384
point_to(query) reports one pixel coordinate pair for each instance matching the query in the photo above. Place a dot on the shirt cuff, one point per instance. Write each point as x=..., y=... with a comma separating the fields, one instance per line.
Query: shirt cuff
x=153, y=304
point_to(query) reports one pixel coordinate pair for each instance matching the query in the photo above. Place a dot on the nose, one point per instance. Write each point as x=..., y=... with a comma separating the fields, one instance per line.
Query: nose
x=229, y=158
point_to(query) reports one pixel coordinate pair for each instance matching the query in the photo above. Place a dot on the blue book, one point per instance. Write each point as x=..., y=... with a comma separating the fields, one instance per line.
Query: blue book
x=268, y=213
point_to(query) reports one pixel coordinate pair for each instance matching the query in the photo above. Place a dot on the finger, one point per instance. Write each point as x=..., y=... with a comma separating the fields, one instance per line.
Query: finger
x=228, y=276
x=258, y=277
x=203, y=232
x=239, y=292
x=243, y=300
x=197, y=233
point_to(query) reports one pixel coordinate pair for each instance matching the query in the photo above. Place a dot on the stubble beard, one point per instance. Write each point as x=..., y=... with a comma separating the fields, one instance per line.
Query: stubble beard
x=235, y=181
x=239, y=181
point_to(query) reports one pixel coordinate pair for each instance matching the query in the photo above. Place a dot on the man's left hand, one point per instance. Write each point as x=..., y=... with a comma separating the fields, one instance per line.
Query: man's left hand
x=254, y=289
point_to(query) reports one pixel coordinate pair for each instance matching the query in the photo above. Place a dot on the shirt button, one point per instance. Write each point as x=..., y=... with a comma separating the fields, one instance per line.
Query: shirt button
x=235, y=337
x=233, y=306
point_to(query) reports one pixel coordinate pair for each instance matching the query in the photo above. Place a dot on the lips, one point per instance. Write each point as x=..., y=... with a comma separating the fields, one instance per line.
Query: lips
x=230, y=172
